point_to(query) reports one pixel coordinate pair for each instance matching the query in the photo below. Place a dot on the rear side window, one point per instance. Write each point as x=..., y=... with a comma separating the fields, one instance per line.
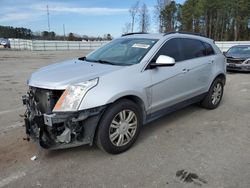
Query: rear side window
x=209, y=49
x=191, y=48
x=170, y=48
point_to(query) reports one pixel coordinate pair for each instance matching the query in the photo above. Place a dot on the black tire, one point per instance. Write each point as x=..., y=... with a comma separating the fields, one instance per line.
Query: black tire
x=208, y=102
x=103, y=140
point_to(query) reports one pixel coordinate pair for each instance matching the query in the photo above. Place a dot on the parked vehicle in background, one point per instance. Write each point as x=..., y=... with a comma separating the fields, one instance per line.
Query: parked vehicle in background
x=5, y=42
x=108, y=95
x=1, y=46
x=238, y=58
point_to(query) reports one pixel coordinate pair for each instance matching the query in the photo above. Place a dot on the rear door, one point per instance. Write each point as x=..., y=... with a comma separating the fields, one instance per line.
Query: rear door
x=198, y=65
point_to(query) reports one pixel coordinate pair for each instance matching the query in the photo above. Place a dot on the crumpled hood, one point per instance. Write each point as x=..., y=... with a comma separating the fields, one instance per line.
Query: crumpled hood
x=60, y=75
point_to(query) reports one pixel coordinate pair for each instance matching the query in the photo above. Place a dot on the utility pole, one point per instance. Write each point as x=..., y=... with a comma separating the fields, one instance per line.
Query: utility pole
x=48, y=17
x=63, y=31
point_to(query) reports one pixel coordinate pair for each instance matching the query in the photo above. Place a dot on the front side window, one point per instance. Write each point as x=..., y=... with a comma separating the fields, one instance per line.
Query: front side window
x=123, y=51
x=171, y=49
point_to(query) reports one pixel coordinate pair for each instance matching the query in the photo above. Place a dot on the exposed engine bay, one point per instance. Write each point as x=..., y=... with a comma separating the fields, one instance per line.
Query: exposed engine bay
x=55, y=130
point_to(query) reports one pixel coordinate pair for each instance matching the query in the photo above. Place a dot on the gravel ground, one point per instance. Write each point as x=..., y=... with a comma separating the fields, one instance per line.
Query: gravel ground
x=190, y=148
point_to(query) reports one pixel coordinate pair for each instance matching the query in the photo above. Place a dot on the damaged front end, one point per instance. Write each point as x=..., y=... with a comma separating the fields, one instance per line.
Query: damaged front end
x=56, y=130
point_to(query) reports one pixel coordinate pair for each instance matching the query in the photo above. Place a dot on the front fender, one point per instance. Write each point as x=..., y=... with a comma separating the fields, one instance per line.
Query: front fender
x=124, y=82
x=95, y=98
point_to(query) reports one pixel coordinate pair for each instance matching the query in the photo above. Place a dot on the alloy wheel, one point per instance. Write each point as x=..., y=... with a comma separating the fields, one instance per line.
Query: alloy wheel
x=217, y=93
x=123, y=128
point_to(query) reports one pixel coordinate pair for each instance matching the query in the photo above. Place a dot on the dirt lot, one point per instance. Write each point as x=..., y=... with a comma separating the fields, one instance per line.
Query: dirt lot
x=192, y=148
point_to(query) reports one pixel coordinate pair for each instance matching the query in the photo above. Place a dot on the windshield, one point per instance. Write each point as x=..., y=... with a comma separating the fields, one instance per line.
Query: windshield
x=243, y=50
x=124, y=51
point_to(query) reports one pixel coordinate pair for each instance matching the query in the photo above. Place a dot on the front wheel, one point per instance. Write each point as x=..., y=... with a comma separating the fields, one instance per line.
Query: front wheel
x=214, y=96
x=119, y=127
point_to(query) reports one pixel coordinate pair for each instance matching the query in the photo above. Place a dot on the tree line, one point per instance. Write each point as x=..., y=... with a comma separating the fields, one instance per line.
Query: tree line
x=24, y=33
x=11, y=32
x=218, y=19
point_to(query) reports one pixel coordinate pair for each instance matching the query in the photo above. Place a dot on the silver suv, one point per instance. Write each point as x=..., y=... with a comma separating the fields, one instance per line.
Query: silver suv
x=107, y=96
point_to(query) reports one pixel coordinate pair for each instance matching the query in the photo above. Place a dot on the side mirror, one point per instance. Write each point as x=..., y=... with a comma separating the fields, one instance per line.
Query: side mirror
x=224, y=53
x=163, y=61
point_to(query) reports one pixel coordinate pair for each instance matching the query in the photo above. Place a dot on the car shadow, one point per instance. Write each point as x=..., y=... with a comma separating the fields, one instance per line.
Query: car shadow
x=237, y=72
x=75, y=152
x=150, y=128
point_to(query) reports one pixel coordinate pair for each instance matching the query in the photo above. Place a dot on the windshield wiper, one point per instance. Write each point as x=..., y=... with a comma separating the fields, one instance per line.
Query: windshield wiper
x=89, y=60
x=99, y=61
x=105, y=62
x=82, y=58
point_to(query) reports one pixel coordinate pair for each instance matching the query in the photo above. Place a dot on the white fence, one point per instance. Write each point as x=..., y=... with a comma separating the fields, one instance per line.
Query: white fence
x=46, y=45
x=21, y=44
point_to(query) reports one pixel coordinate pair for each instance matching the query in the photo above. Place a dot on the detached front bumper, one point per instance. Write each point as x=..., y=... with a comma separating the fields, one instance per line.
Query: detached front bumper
x=238, y=67
x=62, y=129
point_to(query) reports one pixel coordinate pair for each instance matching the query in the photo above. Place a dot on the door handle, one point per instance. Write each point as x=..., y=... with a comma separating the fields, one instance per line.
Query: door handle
x=211, y=62
x=185, y=70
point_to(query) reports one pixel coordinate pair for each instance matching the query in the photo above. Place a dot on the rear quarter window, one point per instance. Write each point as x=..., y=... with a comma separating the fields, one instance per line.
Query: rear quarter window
x=209, y=49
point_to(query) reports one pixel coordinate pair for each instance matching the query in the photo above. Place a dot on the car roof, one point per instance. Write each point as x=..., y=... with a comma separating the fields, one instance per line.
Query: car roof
x=143, y=35
x=167, y=35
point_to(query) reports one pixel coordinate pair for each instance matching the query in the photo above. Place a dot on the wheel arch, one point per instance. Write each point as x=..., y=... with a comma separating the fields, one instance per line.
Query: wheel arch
x=137, y=100
x=221, y=76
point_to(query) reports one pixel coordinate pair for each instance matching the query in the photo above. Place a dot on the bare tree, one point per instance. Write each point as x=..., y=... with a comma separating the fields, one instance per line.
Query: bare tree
x=144, y=18
x=133, y=12
x=126, y=28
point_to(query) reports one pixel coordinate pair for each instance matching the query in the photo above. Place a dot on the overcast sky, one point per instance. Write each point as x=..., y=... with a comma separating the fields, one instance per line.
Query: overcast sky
x=90, y=17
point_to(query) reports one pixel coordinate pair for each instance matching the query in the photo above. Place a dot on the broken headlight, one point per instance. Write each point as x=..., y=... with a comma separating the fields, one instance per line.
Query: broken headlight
x=247, y=61
x=73, y=95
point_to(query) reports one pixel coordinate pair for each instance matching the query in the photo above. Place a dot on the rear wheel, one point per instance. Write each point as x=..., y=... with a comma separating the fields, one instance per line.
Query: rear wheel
x=214, y=96
x=119, y=127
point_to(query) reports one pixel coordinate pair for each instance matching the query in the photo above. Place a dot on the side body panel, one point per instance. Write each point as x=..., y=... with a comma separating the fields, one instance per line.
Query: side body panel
x=128, y=81
x=169, y=86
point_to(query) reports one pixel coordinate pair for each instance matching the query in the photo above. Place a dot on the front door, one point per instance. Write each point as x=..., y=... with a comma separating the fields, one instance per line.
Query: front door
x=168, y=83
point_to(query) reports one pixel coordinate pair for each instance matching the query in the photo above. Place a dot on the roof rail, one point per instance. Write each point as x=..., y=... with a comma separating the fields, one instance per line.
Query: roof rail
x=126, y=34
x=185, y=32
